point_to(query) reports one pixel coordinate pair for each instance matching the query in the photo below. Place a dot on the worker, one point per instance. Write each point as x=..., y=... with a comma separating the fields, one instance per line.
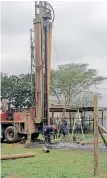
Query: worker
x=63, y=127
x=48, y=131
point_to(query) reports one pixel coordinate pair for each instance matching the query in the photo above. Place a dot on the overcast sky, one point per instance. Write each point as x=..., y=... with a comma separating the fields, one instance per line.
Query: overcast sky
x=80, y=35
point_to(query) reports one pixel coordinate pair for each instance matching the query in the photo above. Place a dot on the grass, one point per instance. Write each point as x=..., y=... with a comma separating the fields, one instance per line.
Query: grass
x=56, y=164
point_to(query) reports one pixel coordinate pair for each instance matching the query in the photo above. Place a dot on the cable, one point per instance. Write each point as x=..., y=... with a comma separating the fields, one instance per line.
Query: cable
x=55, y=49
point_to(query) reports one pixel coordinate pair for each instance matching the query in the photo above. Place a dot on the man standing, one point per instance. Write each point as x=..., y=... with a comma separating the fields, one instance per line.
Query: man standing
x=64, y=127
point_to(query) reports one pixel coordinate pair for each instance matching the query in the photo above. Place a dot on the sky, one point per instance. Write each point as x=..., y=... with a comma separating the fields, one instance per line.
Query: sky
x=79, y=36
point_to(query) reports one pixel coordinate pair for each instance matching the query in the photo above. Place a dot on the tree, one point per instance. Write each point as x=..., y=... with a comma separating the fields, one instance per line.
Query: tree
x=18, y=89
x=84, y=99
x=69, y=81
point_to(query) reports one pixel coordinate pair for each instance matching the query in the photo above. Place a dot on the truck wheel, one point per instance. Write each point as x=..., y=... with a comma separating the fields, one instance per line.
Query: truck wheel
x=10, y=135
x=34, y=137
x=2, y=134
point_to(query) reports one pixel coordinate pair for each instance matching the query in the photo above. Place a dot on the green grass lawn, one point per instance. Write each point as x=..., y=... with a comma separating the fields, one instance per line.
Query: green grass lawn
x=56, y=164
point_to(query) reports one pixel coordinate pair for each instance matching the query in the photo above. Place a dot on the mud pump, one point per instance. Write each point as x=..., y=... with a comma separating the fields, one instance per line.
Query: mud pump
x=30, y=122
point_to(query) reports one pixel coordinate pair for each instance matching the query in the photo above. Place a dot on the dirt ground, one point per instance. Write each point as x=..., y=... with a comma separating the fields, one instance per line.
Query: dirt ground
x=66, y=145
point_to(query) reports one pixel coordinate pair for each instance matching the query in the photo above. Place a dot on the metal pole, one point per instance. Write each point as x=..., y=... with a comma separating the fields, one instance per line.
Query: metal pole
x=36, y=9
x=38, y=66
x=95, y=135
x=49, y=36
x=41, y=11
x=31, y=58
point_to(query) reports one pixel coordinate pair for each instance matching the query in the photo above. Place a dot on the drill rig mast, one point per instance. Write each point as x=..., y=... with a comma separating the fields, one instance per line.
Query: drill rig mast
x=44, y=17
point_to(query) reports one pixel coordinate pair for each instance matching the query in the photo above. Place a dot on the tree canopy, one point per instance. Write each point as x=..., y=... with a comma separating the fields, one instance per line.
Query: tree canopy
x=70, y=83
x=17, y=89
x=72, y=80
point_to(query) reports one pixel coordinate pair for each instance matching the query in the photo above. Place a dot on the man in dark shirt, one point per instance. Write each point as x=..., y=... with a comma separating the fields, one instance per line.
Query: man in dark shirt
x=64, y=127
x=47, y=132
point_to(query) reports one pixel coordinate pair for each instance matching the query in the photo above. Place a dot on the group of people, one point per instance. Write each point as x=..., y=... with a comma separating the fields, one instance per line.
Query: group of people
x=55, y=131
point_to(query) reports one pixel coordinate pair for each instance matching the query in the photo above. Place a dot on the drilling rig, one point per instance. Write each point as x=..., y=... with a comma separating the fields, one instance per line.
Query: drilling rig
x=29, y=123
x=42, y=34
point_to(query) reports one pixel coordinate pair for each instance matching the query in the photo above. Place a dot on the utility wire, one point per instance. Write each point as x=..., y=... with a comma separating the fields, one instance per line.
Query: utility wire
x=57, y=57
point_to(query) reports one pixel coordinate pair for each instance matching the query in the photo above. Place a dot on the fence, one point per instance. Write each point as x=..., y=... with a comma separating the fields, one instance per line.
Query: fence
x=87, y=121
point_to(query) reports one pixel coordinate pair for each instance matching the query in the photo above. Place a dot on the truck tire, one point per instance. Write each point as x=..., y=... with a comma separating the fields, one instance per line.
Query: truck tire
x=2, y=134
x=10, y=135
x=34, y=137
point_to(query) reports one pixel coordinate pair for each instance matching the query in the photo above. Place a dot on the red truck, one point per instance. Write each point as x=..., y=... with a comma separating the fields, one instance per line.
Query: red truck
x=21, y=124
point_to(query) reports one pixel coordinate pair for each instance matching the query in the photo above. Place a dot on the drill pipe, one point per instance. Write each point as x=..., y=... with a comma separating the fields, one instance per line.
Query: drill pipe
x=46, y=150
x=5, y=157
